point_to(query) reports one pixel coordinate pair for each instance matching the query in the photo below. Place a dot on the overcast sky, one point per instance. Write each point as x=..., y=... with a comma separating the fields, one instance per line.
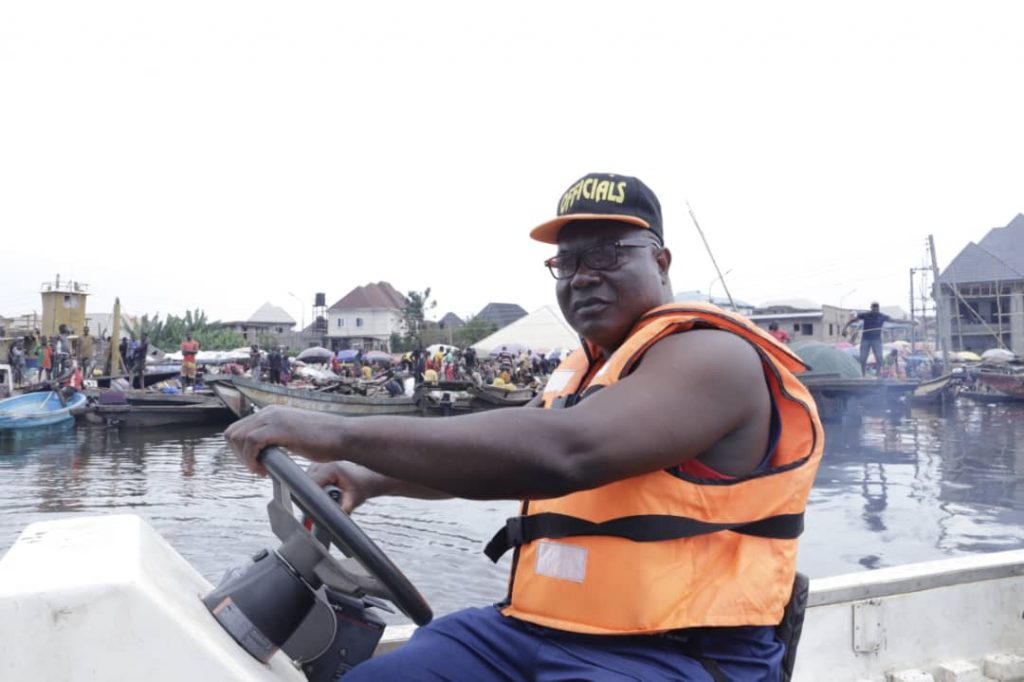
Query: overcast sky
x=220, y=155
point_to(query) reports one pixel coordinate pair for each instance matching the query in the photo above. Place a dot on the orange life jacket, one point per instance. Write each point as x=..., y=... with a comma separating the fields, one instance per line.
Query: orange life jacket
x=665, y=550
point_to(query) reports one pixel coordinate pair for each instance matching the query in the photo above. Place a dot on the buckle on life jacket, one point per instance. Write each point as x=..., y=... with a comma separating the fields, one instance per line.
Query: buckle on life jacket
x=507, y=537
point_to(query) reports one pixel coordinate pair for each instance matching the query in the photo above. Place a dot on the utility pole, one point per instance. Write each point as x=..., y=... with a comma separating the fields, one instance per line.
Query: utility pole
x=912, y=323
x=940, y=328
x=713, y=262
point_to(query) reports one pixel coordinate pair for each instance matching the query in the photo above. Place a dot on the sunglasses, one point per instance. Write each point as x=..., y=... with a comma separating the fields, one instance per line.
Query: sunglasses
x=603, y=256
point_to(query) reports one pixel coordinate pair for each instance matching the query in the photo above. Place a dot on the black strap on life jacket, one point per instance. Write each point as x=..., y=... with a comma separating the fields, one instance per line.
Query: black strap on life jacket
x=519, y=530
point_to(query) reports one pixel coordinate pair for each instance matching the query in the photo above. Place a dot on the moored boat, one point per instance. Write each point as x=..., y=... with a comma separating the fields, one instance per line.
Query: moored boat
x=1008, y=383
x=935, y=391
x=487, y=396
x=134, y=416
x=263, y=394
x=35, y=410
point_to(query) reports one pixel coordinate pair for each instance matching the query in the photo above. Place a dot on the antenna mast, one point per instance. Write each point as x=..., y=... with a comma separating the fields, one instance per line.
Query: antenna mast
x=713, y=262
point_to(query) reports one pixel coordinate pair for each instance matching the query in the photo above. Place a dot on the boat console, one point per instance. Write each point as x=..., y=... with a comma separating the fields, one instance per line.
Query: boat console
x=108, y=598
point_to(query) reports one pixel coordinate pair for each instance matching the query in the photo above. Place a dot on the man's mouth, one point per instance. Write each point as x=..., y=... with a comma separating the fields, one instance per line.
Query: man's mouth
x=588, y=305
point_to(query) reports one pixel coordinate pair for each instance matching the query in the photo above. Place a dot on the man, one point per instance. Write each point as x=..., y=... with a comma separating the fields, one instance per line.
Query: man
x=139, y=361
x=61, y=352
x=779, y=335
x=86, y=353
x=255, y=362
x=662, y=405
x=286, y=367
x=274, y=360
x=870, y=337
x=16, y=356
x=189, y=367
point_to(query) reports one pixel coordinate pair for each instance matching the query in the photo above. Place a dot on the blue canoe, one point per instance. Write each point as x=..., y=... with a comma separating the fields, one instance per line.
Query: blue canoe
x=33, y=410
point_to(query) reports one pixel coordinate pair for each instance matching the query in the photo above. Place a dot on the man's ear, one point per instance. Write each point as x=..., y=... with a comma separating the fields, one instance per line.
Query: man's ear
x=664, y=259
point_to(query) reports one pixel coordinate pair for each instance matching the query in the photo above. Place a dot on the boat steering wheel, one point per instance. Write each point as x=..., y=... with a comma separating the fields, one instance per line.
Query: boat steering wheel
x=346, y=534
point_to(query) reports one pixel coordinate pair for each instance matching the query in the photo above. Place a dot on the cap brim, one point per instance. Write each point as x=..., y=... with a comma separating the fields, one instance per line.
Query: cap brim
x=548, y=232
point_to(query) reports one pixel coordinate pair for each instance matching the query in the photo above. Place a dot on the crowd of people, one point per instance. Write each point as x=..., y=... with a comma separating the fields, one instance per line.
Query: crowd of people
x=53, y=357
x=508, y=368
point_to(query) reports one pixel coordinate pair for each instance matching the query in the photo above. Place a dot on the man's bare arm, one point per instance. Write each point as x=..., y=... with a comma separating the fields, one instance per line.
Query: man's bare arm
x=690, y=392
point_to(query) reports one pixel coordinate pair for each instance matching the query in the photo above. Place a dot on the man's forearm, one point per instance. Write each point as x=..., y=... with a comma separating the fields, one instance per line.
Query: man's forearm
x=505, y=454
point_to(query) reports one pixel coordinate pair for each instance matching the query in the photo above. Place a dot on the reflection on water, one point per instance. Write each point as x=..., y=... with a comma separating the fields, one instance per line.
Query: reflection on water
x=893, y=488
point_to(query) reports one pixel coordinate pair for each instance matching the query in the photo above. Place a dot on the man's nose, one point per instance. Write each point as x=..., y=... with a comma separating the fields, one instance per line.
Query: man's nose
x=584, y=277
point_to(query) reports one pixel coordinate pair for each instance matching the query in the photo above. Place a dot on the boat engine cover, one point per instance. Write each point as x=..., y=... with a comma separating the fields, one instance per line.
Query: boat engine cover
x=106, y=597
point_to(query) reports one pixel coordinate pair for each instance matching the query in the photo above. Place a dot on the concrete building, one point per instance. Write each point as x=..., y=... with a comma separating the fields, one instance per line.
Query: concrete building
x=981, y=292
x=268, y=321
x=822, y=323
x=366, y=317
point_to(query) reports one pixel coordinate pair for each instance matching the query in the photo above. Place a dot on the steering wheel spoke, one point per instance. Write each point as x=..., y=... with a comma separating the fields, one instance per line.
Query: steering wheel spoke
x=367, y=570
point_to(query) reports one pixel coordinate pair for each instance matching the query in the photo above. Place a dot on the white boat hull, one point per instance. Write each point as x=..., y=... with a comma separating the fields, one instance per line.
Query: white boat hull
x=106, y=598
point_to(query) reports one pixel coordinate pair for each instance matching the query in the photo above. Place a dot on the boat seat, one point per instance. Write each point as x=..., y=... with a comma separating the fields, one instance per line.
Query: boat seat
x=792, y=624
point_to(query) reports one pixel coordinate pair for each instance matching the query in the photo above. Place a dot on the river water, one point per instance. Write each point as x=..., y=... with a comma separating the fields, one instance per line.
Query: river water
x=894, y=487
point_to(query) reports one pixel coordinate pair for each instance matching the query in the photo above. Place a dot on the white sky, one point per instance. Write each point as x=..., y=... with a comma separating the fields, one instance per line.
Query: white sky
x=223, y=154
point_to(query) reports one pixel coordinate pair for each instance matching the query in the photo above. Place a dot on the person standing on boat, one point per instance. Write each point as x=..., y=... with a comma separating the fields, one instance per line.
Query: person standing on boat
x=870, y=337
x=61, y=352
x=274, y=360
x=45, y=358
x=86, y=353
x=138, y=367
x=663, y=485
x=17, y=360
x=189, y=367
x=255, y=362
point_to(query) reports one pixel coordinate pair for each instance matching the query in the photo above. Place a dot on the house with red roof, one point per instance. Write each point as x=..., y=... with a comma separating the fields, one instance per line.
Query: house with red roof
x=366, y=317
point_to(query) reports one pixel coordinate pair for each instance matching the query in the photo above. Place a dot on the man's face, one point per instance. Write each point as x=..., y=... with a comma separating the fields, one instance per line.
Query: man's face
x=602, y=305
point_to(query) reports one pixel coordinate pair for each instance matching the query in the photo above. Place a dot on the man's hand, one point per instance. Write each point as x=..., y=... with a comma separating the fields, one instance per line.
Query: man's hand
x=299, y=431
x=358, y=484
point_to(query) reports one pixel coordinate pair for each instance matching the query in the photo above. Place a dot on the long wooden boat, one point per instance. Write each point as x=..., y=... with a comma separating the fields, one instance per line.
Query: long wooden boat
x=1012, y=384
x=35, y=410
x=990, y=396
x=129, y=416
x=495, y=396
x=129, y=610
x=264, y=394
x=231, y=397
x=137, y=397
x=935, y=391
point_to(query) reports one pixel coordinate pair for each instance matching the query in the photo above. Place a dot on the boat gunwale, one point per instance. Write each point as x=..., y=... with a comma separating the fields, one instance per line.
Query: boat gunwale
x=917, y=577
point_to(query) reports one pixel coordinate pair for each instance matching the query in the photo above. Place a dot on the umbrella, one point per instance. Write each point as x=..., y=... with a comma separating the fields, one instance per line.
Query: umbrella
x=438, y=346
x=347, y=355
x=512, y=348
x=315, y=354
x=377, y=356
x=966, y=356
x=842, y=344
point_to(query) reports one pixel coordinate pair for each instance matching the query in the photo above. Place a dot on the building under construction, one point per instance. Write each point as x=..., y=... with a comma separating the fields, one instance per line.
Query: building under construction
x=981, y=293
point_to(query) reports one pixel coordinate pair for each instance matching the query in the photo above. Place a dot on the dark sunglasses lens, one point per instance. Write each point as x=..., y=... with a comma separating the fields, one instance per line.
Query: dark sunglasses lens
x=562, y=267
x=600, y=257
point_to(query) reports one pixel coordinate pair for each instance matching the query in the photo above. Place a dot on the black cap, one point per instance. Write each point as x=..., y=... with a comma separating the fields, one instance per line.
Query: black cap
x=604, y=196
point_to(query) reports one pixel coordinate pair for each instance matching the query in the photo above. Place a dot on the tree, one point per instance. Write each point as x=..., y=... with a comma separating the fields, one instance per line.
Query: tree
x=414, y=316
x=471, y=332
x=168, y=334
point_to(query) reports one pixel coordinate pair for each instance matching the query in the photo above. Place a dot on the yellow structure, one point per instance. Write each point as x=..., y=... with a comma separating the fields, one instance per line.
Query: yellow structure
x=63, y=303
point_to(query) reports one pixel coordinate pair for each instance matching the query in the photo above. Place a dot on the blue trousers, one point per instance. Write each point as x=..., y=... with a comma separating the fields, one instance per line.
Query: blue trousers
x=479, y=645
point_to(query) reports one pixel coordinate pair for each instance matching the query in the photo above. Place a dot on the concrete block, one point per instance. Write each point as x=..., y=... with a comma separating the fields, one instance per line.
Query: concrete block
x=1004, y=667
x=959, y=671
x=909, y=675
